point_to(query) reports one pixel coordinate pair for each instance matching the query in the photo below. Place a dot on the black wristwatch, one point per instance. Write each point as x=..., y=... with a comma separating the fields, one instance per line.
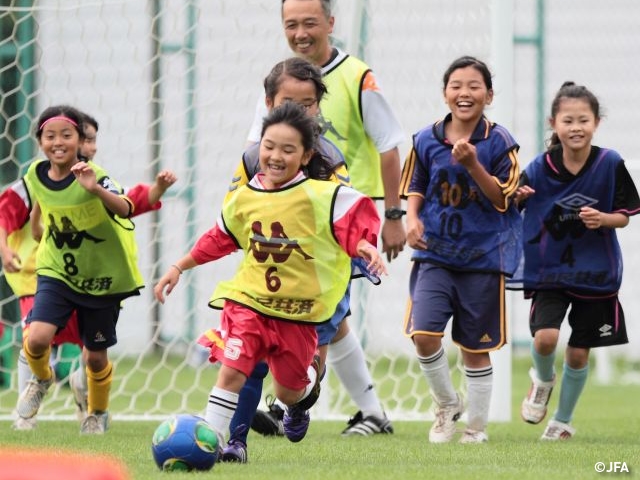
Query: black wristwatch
x=394, y=213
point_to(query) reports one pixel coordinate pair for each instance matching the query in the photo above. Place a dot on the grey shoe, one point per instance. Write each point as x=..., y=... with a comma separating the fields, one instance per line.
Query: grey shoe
x=534, y=406
x=31, y=398
x=474, y=436
x=95, y=424
x=444, y=427
x=25, y=423
x=558, y=431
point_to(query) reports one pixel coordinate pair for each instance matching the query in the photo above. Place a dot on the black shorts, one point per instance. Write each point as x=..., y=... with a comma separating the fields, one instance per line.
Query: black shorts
x=594, y=321
x=54, y=302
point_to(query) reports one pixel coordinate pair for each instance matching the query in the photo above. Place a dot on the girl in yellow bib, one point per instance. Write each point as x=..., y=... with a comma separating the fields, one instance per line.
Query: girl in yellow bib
x=298, y=235
x=86, y=260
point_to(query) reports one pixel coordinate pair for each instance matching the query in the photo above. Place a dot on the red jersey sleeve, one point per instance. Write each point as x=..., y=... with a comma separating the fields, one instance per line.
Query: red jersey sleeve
x=139, y=196
x=213, y=245
x=355, y=218
x=14, y=212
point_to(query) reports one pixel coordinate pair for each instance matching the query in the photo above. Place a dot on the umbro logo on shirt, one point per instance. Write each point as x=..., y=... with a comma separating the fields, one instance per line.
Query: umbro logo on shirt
x=576, y=201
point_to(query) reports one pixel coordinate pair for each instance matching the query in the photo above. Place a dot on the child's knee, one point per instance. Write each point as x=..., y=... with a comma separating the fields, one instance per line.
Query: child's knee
x=37, y=344
x=96, y=361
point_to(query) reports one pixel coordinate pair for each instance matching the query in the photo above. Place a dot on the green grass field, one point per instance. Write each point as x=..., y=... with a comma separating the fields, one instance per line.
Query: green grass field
x=607, y=422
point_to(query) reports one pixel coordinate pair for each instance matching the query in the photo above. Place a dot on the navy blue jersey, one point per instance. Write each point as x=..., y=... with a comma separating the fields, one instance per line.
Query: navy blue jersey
x=560, y=252
x=463, y=229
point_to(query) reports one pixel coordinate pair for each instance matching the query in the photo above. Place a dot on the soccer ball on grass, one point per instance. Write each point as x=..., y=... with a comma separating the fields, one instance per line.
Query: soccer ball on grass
x=184, y=442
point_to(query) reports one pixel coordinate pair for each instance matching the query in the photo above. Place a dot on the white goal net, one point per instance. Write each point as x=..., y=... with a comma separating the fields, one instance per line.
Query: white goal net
x=173, y=84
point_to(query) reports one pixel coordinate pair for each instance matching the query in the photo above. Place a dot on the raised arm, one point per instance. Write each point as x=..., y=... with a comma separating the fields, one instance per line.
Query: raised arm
x=164, y=180
x=115, y=203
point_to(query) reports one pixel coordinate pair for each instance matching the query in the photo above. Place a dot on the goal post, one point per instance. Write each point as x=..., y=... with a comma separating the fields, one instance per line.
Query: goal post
x=501, y=59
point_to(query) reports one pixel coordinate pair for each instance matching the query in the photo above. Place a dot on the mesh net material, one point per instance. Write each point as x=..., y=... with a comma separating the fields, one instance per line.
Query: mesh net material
x=174, y=85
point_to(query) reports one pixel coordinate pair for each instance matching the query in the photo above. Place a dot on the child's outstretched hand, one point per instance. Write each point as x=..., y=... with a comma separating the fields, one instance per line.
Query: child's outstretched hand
x=375, y=263
x=169, y=280
x=165, y=179
x=85, y=176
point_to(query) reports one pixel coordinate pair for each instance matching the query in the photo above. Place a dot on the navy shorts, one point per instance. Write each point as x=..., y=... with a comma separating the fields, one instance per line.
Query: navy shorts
x=54, y=302
x=326, y=331
x=594, y=321
x=474, y=301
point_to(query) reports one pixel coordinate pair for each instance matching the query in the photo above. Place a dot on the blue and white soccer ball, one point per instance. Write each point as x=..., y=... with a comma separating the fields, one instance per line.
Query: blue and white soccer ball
x=184, y=442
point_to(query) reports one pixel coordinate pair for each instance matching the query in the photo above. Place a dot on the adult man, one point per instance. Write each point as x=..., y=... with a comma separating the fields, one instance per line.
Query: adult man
x=355, y=114
x=357, y=118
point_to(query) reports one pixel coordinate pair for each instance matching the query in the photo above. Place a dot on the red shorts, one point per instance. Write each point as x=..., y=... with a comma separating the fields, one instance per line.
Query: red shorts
x=245, y=337
x=69, y=334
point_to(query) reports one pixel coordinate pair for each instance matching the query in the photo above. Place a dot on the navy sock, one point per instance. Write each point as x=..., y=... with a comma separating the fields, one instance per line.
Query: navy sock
x=248, y=401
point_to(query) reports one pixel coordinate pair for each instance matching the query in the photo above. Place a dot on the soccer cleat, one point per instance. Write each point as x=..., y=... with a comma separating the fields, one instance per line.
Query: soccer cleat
x=365, y=426
x=474, y=436
x=269, y=423
x=534, y=406
x=24, y=423
x=296, y=422
x=31, y=398
x=95, y=423
x=296, y=418
x=558, y=431
x=79, y=394
x=444, y=426
x=236, y=449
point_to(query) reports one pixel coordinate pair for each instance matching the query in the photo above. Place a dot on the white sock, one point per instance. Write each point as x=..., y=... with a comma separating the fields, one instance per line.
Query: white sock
x=479, y=384
x=436, y=371
x=313, y=376
x=82, y=375
x=346, y=358
x=311, y=373
x=24, y=372
x=221, y=406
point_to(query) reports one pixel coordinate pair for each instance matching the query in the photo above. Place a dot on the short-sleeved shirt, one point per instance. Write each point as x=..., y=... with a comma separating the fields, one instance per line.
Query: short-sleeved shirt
x=560, y=252
x=464, y=230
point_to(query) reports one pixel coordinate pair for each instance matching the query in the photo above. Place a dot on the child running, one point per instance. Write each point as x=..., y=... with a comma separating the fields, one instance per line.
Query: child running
x=298, y=235
x=145, y=198
x=575, y=195
x=298, y=80
x=459, y=178
x=86, y=261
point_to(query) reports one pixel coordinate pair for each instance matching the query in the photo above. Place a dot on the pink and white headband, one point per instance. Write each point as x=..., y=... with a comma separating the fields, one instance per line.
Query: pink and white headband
x=59, y=117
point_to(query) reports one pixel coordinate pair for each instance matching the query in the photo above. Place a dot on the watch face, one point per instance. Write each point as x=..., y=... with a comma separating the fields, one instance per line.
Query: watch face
x=393, y=213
